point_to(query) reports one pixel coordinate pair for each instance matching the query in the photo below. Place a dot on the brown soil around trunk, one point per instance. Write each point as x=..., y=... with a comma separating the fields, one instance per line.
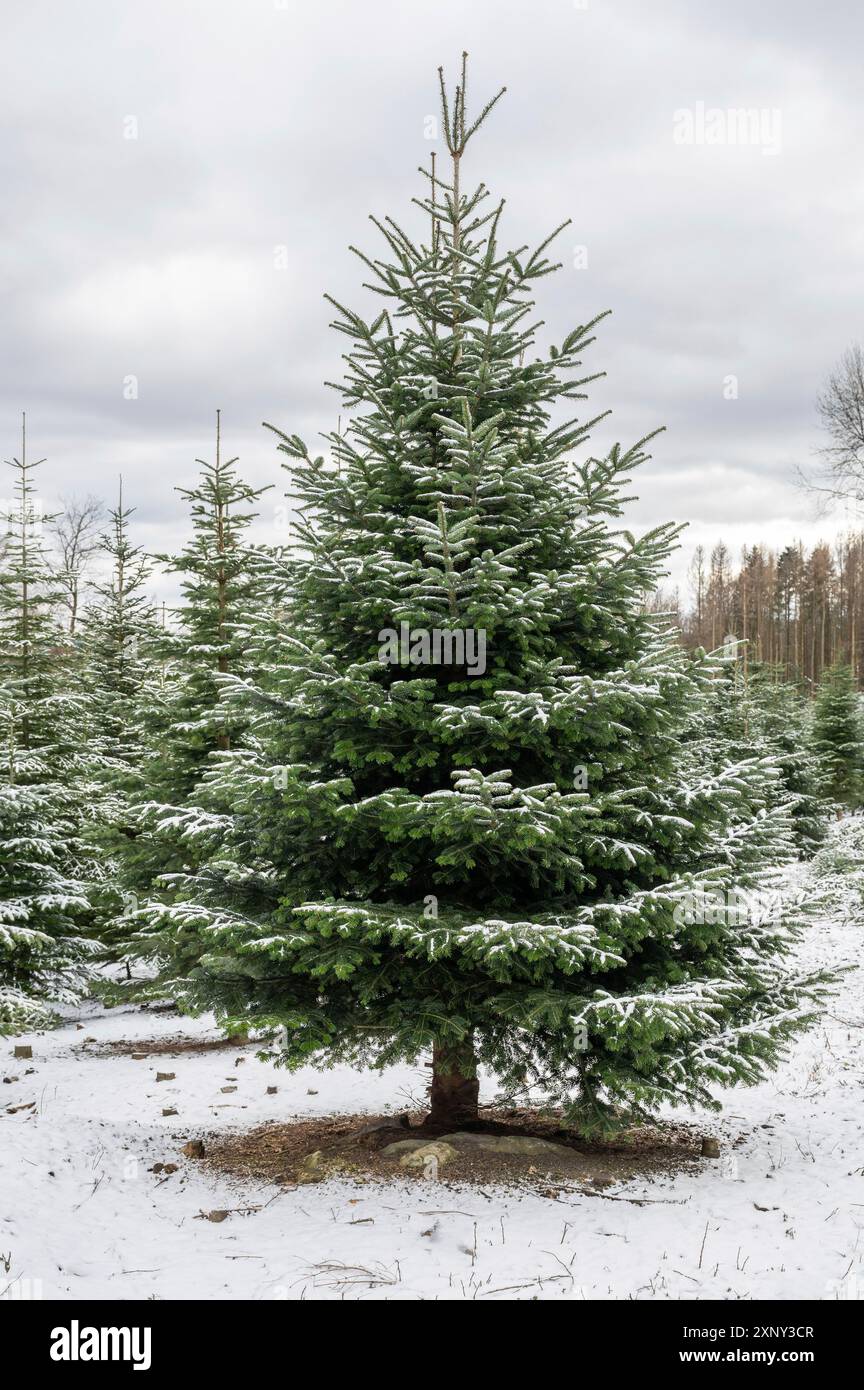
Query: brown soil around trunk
x=352, y=1146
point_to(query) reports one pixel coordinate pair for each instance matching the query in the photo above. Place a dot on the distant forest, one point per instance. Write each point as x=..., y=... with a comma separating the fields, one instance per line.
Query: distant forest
x=800, y=609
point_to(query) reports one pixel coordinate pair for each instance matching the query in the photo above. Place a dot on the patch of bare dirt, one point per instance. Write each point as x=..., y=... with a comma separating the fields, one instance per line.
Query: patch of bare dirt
x=352, y=1146
x=164, y=1047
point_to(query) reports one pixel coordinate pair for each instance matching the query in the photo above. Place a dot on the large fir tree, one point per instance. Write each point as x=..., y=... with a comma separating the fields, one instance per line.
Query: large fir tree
x=495, y=852
x=48, y=871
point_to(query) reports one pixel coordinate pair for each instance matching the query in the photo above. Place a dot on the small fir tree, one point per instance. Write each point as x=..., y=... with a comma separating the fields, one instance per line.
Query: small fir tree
x=784, y=718
x=750, y=710
x=838, y=736
x=48, y=872
x=120, y=635
x=181, y=720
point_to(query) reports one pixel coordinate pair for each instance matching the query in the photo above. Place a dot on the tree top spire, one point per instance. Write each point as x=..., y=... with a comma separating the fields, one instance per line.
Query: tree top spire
x=456, y=134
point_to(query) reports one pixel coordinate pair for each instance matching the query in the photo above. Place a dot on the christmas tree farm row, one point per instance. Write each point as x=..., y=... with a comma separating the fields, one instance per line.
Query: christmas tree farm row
x=431, y=778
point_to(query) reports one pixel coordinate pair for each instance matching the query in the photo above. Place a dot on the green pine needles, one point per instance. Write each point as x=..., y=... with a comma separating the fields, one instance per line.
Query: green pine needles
x=514, y=862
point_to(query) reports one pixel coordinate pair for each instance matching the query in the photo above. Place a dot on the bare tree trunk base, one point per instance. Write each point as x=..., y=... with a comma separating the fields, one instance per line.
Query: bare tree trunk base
x=455, y=1088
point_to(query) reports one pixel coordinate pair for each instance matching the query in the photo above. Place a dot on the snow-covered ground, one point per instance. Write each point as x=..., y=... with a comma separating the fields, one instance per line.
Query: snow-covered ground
x=779, y=1216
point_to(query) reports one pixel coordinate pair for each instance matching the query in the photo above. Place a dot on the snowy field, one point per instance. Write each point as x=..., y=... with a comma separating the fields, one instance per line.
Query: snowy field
x=780, y=1215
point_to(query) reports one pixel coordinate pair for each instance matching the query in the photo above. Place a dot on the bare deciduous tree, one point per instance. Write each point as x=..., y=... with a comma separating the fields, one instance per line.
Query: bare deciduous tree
x=75, y=531
x=841, y=410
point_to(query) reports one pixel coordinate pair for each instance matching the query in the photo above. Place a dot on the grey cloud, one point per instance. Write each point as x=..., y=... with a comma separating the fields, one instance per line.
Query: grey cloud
x=264, y=126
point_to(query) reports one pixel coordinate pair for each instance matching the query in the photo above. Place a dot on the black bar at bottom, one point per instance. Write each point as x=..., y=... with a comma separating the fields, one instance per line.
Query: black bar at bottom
x=224, y=1340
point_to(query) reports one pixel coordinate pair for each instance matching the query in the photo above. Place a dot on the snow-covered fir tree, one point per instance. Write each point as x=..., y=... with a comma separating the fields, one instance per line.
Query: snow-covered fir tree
x=750, y=711
x=462, y=819
x=838, y=735
x=118, y=643
x=181, y=719
x=784, y=718
x=48, y=871
x=119, y=637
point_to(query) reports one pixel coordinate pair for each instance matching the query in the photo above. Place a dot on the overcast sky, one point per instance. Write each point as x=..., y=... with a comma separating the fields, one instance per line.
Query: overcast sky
x=156, y=158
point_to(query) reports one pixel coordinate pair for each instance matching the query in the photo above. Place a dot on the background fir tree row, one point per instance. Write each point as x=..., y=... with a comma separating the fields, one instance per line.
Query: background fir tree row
x=108, y=717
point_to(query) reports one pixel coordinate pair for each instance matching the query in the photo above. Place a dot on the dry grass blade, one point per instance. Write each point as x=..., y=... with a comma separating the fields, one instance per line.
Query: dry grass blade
x=332, y=1274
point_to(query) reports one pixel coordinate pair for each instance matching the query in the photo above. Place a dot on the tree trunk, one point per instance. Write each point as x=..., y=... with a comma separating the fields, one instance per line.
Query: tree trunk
x=453, y=1097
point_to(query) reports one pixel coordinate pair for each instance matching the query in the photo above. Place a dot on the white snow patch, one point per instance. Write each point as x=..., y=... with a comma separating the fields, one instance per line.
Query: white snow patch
x=780, y=1216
